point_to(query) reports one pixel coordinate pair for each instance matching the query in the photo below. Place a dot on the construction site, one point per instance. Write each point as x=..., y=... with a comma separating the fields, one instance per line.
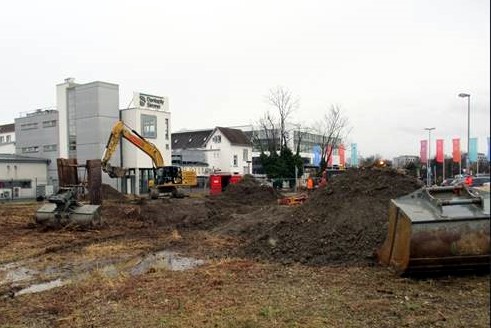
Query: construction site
x=245, y=258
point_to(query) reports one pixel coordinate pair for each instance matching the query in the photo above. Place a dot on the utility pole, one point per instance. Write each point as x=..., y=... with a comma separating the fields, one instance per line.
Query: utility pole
x=467, y=161
x=428, y=168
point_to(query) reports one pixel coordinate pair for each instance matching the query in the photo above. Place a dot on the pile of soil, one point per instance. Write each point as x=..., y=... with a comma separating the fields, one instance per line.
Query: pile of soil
x=238, y=200
x=109, y=193
x=249, y=191
x=340, y=224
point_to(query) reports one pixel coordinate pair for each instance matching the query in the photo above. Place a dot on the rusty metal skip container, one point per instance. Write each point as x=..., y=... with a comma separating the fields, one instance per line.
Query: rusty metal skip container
x=438, y=229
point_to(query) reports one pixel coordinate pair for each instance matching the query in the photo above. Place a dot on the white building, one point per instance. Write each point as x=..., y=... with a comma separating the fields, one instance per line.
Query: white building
x=229, y=150
x=22, y=176
x=150, y=117
x=401, y=162
x=7, y=138
x=218, y=150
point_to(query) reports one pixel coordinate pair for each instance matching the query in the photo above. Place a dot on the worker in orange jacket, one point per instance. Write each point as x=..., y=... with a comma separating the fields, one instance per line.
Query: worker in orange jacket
x=310, y=184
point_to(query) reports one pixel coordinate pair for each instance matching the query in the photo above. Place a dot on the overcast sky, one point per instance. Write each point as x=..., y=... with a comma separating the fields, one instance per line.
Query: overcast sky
x=393, y=67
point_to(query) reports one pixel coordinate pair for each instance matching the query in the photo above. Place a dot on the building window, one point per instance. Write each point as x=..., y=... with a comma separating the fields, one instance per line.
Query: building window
x=47, y=148
x=217, y=139
x=33, y=149
x=166, y=129
x=236, y=160
x=245, y=155
x=48, y=124
x=8, y=184
x=1, y=139
x=73, y=145
x=149, y=126
x=28, y=126
x=9, y=139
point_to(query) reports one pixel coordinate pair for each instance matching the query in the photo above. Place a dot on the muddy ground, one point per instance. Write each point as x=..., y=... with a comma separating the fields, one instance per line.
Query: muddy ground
x=234, y=260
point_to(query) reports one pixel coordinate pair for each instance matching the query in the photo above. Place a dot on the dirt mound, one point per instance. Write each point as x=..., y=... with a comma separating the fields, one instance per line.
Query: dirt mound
x=248, y=191
x=341, y=224
x=110, y=193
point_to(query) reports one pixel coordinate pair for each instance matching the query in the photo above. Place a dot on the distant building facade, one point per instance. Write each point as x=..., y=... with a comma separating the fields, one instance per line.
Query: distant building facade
x=401, y=162
x=80, y=126
x=37, y=135
x=87, y=113
x=23, y=176
x=7, y=138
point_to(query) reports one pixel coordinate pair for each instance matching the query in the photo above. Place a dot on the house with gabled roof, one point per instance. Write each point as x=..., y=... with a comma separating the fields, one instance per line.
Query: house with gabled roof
x=207, y=151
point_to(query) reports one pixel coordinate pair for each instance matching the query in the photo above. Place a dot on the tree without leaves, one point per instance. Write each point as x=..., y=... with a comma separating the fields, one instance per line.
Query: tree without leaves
x=266, y=138
x=272, y=136
x=333, y=129
x=282, y=100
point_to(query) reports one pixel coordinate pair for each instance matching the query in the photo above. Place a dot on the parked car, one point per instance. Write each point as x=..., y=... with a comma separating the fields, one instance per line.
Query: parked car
x=472, y=181
x=447, y=182
x=480, y=181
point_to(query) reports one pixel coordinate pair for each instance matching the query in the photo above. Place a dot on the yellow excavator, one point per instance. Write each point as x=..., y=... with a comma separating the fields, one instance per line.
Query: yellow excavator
x=168, y=180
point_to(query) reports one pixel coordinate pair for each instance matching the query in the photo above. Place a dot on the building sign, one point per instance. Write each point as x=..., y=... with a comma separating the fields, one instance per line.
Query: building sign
x=146, y=101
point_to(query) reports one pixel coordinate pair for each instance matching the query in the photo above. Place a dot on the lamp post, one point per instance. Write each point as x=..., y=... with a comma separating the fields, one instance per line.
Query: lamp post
x=428, y=168
x=467, y=162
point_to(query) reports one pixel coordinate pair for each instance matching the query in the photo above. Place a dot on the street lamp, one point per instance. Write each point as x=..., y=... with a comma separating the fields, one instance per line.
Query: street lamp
x=467, y=162
x=428, y=168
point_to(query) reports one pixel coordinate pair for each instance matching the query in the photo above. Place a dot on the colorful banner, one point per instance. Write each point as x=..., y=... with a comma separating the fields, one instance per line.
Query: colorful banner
x=354, y=154
x=473, y=149
x=456, y=155
x=317, y=155
x=489, y=151
x=439, y=150
x=423, y=151
x=342, y=161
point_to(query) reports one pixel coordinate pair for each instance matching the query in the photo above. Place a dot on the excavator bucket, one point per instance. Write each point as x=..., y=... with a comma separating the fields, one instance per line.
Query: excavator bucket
x=63, y=210
x=438, y=229
x=80, y=216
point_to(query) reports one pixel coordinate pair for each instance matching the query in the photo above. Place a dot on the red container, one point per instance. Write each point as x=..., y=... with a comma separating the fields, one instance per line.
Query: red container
x=215, y=184
x=218, y=182
x=235, y=178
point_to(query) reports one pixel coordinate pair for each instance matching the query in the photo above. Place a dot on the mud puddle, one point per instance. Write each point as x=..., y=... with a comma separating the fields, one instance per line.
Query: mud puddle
x=165, y=260
x=17, y=278
x=37, y=288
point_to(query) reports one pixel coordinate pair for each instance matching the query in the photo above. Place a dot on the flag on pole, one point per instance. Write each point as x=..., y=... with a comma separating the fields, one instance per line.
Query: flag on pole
x=489, y=151
x=439, y=151
x=473, y=149
x=354, y=154
x=342, y=161
x=423, y=151
x=317, y=155
x=457, y=157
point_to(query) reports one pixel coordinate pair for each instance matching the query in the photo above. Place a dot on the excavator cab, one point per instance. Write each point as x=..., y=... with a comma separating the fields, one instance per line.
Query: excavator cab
x=168, y=175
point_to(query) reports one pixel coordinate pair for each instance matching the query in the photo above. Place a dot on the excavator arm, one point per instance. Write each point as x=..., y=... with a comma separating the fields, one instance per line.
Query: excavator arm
x=120, y=130
x=166, y=178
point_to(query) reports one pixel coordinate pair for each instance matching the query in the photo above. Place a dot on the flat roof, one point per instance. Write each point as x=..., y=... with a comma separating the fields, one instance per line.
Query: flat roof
x=14, y=158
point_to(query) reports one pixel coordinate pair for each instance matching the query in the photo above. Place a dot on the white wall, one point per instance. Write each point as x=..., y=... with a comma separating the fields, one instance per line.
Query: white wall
x=134, y=157
x=36, y=172
x=61, y=106
x=8, y=147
